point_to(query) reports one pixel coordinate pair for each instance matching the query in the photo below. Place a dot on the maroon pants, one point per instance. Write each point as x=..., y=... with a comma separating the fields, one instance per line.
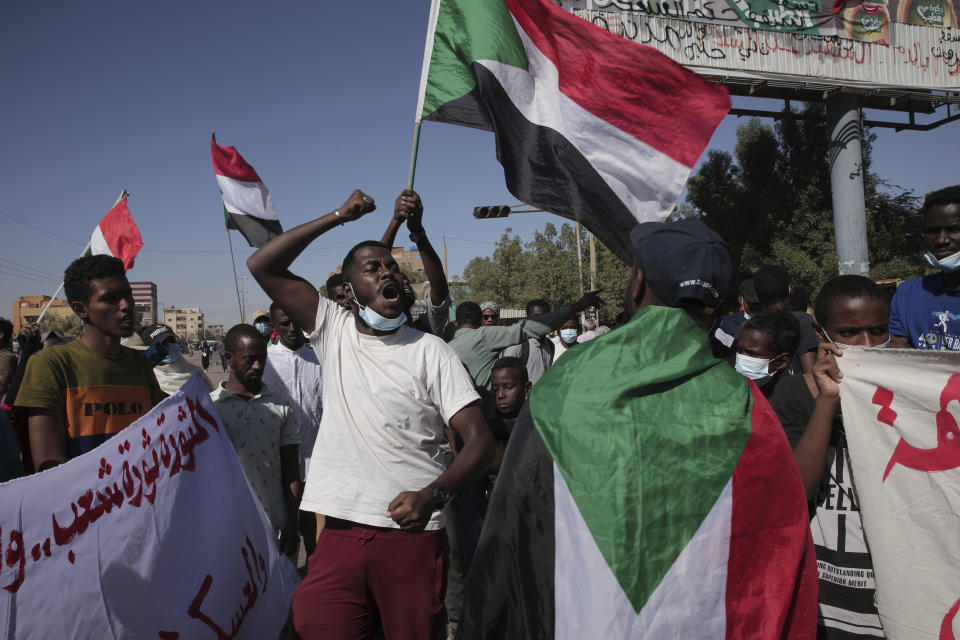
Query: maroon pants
x=360, y=576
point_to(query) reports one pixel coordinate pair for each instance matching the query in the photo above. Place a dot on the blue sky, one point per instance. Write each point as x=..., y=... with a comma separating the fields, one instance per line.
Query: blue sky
x=318, y=97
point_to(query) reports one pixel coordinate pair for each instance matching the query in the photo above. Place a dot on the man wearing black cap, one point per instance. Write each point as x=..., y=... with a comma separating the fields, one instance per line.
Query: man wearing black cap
x=681, y=264
x=618, y=439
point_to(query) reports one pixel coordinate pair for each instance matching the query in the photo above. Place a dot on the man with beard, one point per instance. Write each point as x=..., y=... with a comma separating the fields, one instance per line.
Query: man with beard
x=80, y=394
x=293, y=373
x=377, y=477
x=409, y=208
x=264, y=431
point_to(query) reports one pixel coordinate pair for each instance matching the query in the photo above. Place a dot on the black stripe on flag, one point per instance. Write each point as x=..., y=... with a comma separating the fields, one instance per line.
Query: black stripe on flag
x=510, y=587
x=544, y=169
x=256, y=231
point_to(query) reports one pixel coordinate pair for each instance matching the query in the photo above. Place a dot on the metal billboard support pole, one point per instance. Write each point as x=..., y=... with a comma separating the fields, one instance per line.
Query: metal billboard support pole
x=846, y=185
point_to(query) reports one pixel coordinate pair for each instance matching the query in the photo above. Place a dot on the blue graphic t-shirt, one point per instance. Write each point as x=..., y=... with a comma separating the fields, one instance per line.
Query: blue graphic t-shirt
x=927, y=314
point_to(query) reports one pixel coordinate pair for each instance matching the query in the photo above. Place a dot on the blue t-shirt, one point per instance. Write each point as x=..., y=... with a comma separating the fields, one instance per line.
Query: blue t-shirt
x=926, y=314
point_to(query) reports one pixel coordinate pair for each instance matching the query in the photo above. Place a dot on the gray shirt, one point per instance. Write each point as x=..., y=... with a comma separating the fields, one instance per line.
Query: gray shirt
x=479, y=348
x=539, y=356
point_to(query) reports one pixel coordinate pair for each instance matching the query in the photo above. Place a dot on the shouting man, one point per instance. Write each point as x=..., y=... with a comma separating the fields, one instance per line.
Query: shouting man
x=377, y=476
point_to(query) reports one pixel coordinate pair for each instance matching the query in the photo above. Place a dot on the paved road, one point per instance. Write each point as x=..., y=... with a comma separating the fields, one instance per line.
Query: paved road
x=214, y=372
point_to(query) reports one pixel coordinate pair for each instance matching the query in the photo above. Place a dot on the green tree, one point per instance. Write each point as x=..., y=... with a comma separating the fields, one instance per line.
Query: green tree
x=545, y=267
x=69, y=326
x=772, y=203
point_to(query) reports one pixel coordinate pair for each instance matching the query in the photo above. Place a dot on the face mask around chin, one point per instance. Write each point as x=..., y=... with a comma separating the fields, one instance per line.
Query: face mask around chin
x=757, y=369
x=263, y=328
x=379, y=322
x=948, y=265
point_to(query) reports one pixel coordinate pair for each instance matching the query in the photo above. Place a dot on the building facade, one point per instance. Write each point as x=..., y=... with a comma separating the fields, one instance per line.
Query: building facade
x=26, y=310
x=186, y=323
x=145, y=302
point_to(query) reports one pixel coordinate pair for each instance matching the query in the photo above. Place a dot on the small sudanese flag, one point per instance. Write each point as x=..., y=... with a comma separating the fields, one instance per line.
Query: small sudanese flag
x=247, y=205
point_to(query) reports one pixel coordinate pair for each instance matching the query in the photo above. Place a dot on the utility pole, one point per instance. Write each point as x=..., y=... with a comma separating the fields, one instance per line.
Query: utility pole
x=846, y=185
x=579, y=259
x=446, y=271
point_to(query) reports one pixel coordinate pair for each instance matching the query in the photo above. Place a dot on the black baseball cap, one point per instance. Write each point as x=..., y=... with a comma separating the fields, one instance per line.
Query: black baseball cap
x=683, y=260
x=156, y=333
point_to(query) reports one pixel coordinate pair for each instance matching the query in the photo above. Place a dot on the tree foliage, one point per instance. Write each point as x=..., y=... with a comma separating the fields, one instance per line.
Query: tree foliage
x=545, y=267
x=771, y=202
x=68, y=326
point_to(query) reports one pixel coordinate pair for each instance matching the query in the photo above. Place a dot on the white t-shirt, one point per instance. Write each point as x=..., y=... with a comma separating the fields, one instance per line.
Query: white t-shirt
x=386, y=403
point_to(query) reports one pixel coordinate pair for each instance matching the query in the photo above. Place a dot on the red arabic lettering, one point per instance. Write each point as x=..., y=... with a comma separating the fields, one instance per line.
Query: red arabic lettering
x=946, y=626
x=16, y=557
x=946, y=455
x=251, y=590
x=884, y=398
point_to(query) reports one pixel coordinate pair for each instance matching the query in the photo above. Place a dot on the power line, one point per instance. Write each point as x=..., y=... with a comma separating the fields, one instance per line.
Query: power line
x=32, y=270
x=35, y=227
x=20, y=275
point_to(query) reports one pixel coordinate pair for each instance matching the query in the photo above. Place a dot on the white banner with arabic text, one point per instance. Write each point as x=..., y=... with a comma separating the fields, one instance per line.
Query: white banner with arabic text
x=154, y=534
x=900, y=414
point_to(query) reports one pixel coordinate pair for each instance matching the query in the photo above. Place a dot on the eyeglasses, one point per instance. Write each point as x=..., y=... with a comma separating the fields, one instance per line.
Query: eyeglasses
x=489, y=316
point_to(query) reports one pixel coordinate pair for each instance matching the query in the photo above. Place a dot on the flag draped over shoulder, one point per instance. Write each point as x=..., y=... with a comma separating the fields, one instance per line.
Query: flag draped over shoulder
x=589, y=125
x=247, y=205
x=117, y=235
x=900, y=411
x=647, y=492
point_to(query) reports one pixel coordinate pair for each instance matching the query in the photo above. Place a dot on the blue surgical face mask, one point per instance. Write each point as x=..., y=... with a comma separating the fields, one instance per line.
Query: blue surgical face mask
x=173, y=353
x=379, y=322
x=948, y=265
x=568, y=335
x=263, y=328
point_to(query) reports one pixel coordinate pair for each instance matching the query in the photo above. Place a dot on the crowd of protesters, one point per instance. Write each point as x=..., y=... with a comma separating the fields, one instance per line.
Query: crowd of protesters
x=374, y=438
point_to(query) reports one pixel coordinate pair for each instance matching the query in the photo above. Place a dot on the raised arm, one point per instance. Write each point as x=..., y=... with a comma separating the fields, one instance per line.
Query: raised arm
x=499, y=338
x=270, y=264
x=409, y=203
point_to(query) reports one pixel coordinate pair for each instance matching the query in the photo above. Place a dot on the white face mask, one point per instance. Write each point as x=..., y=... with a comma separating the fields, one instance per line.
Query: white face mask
x=948, y=265
x=882, y=345
x=376, y=321
x=757, y=369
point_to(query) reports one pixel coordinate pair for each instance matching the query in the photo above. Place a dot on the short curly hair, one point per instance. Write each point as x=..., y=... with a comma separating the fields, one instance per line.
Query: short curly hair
x=82, y=271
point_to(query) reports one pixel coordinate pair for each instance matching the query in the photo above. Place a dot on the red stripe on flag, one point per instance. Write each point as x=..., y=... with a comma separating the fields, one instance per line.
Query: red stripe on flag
x=121, y=234
x=228, y=162
x=771, y=572
x=633, y=87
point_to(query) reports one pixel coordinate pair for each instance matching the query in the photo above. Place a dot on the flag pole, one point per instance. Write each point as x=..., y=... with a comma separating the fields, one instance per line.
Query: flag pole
x=413, y=153
x=123, y=194
x=236, y=281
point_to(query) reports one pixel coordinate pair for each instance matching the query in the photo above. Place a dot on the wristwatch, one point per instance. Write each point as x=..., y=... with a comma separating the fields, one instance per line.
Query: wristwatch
x=440, y=495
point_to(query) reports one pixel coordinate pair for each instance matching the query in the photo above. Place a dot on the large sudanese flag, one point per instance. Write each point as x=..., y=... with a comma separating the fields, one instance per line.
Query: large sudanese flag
x=117, y=235
x=588, y=125
x=648, y=491
x=247, y=205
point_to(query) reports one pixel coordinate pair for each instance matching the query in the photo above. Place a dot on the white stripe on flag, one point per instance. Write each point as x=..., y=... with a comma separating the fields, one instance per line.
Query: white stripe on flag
x=646, y=181
x=689, y=603
x=247, y=198
x=98, y=244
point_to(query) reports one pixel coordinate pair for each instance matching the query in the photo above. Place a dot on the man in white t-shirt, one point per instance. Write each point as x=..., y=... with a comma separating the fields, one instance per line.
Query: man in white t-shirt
x=376, y=475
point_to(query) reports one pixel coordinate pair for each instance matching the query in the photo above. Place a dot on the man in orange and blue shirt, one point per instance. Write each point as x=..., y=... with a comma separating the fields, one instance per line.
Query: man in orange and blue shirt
x=80, y=394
